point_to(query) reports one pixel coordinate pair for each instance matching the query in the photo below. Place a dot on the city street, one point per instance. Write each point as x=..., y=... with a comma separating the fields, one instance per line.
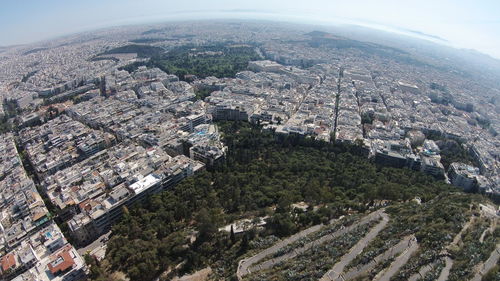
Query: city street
x=97, y=248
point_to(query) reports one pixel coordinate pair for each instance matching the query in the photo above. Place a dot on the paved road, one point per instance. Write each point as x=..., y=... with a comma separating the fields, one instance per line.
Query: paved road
x=338, y=268
x=245, y=266
x=399, y=262
x=393, y=251
x=99, y=243
x=489, y=264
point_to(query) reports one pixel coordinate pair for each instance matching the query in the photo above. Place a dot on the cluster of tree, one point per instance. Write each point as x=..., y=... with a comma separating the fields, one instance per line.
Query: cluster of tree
x=434, y=223
x=451, y=150
x=10, y=110
x=5, y=125
x=201, y=94
x=217, y=60
x=261, y=170
x=454, y=151
x=220, y=60
x=439, y=87
x=142, y=51
x=28, y=75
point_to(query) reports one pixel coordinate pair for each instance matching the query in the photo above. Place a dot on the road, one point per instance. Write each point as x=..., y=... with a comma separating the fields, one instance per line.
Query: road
x=99, y=243
x=401, y=260
x=338, y=268
x=489, y=264
x=393, y=251
x=245, y=265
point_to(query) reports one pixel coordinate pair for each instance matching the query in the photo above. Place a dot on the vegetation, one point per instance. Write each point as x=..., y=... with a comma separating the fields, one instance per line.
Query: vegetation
x=28, y=75
x=149, y=40
x=201, y=94
x=493, y=274
x=326, y=230
x=10, y=110
x=434, y=273
x=454, y=151
x=5, y=125
x=215, y=60
x=261, y=170
x=451, y=150
x=439, y=87
x=434, y=223
x=473, y=251
x=314, y=263
x=142, y=51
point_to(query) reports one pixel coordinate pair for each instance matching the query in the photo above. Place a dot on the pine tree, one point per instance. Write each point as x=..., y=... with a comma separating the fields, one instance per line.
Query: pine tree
x=232, y=236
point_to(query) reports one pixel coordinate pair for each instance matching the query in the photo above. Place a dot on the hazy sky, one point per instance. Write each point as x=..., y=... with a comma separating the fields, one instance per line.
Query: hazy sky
x=473, y=24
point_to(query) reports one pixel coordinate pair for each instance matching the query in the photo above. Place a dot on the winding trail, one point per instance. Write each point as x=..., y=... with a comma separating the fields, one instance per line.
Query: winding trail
x=488, y=264
x=446, y=270
x=401, y=260
x=245, y=266
x=422, y=272
x=490, y=229
x=336, y=272
x=443, y=276
x=390, y=253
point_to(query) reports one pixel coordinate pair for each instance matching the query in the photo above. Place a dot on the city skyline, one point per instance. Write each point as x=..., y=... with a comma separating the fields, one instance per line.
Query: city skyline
x=460, y=24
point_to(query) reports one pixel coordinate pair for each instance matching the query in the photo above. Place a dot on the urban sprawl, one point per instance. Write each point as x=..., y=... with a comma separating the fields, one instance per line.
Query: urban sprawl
x=93, y=139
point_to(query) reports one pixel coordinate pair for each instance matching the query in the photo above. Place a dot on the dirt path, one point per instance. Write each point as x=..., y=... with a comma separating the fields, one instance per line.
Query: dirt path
x=200, y=275
x=392, y=252
x=489, y=264
x=422, y=272
x=443, y=276
x=446, y=270
x=490, y=229
x=245, y=266
x=338, y=268
x=401, y=260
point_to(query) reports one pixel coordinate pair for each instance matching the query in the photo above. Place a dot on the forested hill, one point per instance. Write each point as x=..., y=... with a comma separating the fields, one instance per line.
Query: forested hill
x=262, y=175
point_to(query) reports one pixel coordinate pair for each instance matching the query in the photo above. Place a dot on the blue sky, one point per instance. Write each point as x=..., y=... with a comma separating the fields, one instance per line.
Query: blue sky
x=464, y=23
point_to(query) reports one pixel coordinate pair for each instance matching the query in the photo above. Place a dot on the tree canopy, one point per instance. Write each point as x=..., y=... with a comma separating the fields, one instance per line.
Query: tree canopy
x=261, y=170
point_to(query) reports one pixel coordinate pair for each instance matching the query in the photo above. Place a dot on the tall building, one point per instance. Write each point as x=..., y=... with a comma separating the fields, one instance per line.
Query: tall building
x=463, y=176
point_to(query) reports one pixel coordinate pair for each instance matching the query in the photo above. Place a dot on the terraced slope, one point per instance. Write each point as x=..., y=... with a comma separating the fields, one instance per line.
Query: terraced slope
x=318, y=254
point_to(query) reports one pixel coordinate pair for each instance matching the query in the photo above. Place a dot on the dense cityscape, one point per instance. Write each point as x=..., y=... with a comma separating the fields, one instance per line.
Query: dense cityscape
x=94, y=124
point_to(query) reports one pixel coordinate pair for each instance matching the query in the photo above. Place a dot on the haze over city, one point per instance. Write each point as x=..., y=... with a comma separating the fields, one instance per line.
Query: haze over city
x=257, y=141
x=462, y=24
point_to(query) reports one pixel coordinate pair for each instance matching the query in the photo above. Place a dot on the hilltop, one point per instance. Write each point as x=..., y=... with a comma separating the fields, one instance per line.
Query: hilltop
x=261, y=177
